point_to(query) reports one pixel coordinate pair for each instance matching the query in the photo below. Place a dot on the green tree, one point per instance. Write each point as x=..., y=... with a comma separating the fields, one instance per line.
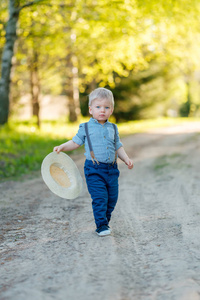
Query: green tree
x=83, y=43
x=15, y=7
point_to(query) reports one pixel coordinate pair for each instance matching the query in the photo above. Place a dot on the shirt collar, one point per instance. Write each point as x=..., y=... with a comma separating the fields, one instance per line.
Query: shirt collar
x=95, y=121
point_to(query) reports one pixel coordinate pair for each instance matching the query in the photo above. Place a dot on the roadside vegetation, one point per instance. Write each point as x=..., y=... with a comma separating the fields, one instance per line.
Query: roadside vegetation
x=23, y=146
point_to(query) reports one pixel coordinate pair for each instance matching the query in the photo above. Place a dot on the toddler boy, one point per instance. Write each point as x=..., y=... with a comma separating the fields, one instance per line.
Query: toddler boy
x=102, y=146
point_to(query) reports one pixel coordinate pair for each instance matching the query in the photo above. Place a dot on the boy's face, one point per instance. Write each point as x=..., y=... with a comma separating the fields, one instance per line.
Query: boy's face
x=101, y=110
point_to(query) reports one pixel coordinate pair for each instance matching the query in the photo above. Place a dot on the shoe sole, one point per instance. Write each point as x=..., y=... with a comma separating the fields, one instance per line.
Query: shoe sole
x=104, y=233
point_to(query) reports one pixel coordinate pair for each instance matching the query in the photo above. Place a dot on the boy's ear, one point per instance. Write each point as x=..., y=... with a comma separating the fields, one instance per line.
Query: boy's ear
x=90, y=110
x=112, y=109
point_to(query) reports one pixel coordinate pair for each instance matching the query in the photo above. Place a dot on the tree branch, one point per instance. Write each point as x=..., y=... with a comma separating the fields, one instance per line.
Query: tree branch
x=46, y=3
x=30, y=4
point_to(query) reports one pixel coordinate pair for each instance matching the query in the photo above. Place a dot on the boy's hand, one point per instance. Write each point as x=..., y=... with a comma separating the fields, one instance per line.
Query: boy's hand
x=68, y=146
x=124, y=157
x=57, y=149
x=129, y=163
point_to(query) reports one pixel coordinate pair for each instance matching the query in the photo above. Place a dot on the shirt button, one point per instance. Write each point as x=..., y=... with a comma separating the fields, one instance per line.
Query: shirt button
x=104, y=137
x=106, y=147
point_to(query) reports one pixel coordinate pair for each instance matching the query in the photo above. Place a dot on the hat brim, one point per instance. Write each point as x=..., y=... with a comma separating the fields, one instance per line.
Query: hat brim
x=61, y=175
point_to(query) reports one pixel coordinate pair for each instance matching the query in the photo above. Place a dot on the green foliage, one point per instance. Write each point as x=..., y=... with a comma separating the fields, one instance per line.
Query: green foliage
x=23, y=152
x=143, y=50
x=3, y=21
x=136, y=93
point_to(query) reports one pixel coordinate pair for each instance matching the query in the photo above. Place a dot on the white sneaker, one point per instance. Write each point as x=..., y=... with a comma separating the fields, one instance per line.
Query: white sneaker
x=103, y=230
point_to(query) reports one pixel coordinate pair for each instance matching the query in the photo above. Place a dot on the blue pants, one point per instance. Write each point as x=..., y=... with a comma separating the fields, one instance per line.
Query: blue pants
x=102, y=183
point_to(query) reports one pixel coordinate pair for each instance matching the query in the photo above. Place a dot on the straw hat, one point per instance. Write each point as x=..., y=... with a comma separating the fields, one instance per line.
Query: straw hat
x=61, y=175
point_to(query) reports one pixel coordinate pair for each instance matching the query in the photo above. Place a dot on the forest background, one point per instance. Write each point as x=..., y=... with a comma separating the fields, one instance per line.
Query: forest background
x=146, y=52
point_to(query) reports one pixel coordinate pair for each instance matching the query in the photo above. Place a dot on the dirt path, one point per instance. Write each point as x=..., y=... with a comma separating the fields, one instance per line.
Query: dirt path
x=49, y=249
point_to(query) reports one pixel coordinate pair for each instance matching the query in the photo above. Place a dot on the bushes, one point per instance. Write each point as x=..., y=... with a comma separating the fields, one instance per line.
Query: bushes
x=23, y=152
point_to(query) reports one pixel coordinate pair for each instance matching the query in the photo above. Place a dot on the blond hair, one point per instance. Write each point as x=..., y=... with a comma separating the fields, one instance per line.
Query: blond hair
x=101, y=93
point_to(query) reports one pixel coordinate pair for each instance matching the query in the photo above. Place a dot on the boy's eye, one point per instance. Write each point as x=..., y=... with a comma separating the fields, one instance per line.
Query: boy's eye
x=97, y=106
x=107, y=107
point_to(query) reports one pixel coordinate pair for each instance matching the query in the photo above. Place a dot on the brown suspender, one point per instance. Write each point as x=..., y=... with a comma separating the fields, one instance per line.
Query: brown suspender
x=115, y=129
x=90, y=144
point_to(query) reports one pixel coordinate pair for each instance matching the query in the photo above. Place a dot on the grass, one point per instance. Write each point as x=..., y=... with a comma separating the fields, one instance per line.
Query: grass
x=23, y=146
x=22, y=152
x=174, y=160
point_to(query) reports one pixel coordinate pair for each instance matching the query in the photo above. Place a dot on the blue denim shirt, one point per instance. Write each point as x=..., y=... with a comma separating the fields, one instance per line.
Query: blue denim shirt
x=102, y=139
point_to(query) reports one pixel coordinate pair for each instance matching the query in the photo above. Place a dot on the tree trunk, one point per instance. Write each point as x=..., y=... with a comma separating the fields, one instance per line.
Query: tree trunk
x=7, y=61
x=35, y=87
x=72, y=89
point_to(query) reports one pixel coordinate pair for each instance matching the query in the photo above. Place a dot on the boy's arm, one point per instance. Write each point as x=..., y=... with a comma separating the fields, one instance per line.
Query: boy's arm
x=124, y=157
x=68, y=146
